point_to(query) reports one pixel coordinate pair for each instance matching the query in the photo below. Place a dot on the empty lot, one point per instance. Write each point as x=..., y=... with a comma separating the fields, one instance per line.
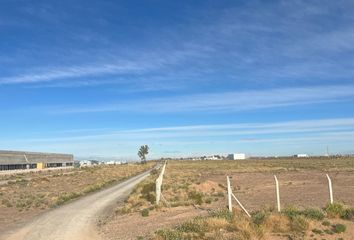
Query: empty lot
x=193, y=188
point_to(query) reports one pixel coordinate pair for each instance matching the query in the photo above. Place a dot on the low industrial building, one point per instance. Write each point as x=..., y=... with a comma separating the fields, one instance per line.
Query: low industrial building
x=16, y=160
x=88, y=163
x=236, y=156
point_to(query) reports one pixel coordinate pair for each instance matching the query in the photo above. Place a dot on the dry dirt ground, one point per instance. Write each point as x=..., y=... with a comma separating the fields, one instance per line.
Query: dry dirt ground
x=132, y=226
x=27, y=195
x=302, y=184
x=303, y=189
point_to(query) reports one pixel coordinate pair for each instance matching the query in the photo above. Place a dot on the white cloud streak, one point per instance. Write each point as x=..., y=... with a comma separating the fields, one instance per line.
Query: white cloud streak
x=320, y=127
x=73, y=72
x=309, y=135
x=219, y=102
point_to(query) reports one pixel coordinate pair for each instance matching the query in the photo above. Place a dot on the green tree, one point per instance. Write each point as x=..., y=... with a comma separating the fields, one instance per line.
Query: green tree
x=143, y=151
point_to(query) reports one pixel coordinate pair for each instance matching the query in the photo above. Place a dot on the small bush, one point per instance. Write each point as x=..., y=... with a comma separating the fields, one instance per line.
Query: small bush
x=148, y=192
x=148, y=187
x=259, y=218
x=223, y=213
x=326, y=223
x=145, y=212
x=214, y=223
x=328, y=231
x=291, y=212
x=197, y=197
x=348, y=214
x=168, y=234
x=244, y=228
x=339, y=228
x=66, y=197
x=299, y=224
x=196, y=225
x=334, y=210
x=317, y=231
x=20, y=205
x=313, y=213
x=277, y=223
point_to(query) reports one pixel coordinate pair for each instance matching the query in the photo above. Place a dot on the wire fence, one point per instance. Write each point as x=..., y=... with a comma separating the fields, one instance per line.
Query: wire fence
x=277, y=191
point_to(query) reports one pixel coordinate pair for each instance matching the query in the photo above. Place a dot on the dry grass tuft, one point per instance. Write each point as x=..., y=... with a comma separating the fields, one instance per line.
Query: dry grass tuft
x=216, y=224
x=277, y=223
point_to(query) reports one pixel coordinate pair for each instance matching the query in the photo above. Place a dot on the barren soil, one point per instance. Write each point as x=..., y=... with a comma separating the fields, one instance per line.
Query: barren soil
x=254, y=190
x=300, y=188
x=132, y=226
x=301, y=185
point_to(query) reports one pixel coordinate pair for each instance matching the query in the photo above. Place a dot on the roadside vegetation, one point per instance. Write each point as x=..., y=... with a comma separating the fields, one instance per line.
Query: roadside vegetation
x=179, y=189
x=142, y=198
x=38, y=191
x=199, y=188
x=265, y=224
x=191, y=183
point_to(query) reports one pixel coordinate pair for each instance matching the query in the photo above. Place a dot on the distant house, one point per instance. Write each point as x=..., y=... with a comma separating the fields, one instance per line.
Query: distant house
x=302, y=155
x=236, y=156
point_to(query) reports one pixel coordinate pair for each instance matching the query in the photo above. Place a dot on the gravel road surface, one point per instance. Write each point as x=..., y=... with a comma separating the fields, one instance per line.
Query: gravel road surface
x=76, y=220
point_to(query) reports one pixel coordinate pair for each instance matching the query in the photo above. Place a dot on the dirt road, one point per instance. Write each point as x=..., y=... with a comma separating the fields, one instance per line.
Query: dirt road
x=76, y=220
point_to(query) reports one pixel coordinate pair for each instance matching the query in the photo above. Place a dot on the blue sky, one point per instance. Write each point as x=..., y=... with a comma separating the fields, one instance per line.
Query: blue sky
x=101, y=78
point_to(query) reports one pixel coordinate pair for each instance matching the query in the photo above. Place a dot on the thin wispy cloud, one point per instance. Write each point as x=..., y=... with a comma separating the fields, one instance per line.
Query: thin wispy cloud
x=73, y=72
x=224, y=101
x=322, y=127
x=310, y=132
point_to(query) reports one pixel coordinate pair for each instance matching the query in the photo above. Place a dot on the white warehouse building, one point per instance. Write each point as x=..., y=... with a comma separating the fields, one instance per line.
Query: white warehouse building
x=236, y=156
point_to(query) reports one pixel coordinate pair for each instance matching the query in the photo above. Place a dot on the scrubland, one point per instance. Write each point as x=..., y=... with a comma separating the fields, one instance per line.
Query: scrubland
x=194, y=204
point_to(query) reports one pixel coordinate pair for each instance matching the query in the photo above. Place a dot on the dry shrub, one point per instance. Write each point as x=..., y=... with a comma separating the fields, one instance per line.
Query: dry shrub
x=277, y=223
x=244, y=228
x=299, y=224
x=216, y=223
x=219, y=235
x=208, y=187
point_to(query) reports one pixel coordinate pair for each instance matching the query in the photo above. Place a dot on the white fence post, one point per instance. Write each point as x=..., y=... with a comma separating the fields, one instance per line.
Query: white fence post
x=330, y=188
x=240, y=204
x=277, y=191
x=230, y=195
x=229, y=192
x=159, y=184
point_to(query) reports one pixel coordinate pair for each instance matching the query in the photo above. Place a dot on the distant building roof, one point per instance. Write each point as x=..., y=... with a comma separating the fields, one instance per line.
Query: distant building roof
x=22, y=157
